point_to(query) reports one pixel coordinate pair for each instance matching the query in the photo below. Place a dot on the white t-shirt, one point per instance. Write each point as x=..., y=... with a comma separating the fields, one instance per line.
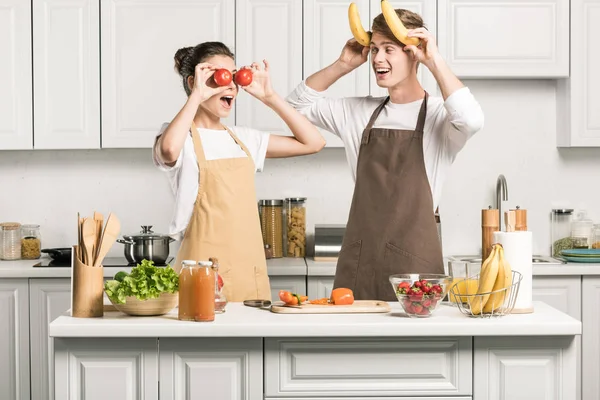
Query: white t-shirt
x=448, y=125
x=217, y=144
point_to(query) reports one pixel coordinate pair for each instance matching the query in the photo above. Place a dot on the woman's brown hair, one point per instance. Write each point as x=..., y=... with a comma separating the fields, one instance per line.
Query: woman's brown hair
x=187, y=58
x=410, y=20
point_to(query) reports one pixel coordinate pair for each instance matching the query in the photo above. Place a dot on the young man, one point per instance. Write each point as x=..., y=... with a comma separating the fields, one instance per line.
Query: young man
x=399, y=148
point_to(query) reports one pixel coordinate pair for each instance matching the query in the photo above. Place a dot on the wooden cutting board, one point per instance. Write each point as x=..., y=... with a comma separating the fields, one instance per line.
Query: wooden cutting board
x=359, y=306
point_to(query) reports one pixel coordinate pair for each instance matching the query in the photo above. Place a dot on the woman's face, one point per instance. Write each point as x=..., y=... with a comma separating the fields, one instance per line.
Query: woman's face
x=220, y=105
x=391, y=64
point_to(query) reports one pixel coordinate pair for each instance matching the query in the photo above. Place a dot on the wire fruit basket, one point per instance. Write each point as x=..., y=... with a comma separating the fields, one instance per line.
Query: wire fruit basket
x=467, y=302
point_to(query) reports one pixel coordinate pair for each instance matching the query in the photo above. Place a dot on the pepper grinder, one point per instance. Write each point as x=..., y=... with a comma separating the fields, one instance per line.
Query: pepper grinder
x=490, y=223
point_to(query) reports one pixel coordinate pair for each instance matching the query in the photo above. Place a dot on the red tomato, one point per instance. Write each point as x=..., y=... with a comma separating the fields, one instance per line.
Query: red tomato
x=222, y=77
x=243, y=77
x=220, y=282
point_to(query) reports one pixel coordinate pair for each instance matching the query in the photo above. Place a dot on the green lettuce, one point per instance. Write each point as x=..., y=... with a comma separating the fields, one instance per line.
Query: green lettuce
x=145, y=281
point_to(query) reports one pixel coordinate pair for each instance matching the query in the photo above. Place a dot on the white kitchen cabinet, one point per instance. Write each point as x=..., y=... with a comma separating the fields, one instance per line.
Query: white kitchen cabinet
x=505, y=38
x=326, y=31
x=306, y=367
x=208, y=368
x=294, y=284
x=561, y=292
x=578, y=98
x=590, y=384
x=319, y=286
x=115, y=369
x=66, y=66
x=271, y=30
x=139, y=38
x=48, y=299
x=14, y=339
x=16, y=126
x=427, y=9
x=519, y=368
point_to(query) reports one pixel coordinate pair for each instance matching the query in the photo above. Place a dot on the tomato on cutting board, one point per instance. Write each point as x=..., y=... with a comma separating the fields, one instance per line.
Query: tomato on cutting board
x=342, y=296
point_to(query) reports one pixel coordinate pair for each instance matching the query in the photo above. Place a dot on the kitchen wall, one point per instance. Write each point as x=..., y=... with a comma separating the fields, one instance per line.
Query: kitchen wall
x=518, y=140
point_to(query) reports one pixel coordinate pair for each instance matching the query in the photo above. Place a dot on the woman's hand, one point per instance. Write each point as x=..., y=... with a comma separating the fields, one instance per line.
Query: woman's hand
x=260, y=87
x=353, y=55
x=427, y=52
x=203, y=85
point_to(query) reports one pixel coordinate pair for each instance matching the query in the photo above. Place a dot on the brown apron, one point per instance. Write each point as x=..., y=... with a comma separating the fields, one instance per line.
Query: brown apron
x=391, y=227
x=225, y=224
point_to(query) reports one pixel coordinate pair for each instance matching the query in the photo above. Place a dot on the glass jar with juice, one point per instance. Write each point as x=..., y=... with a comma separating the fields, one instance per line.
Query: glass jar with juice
x=461, y=271
x=206, y=292
x=188, y=289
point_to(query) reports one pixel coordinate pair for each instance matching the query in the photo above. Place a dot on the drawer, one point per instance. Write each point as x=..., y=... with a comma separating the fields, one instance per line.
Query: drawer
x=297, y=367
x=375, y=398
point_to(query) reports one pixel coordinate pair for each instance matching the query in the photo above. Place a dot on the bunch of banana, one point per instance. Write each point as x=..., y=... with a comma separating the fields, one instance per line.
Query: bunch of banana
x=395, y=25
x=495, y=274
x=363, y=37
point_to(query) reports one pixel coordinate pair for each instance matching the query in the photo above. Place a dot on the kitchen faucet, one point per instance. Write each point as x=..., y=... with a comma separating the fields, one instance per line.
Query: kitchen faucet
x=501, y=187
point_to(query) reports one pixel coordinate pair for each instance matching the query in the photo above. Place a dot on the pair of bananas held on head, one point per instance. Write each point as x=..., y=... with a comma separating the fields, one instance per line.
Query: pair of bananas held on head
x=392, y=20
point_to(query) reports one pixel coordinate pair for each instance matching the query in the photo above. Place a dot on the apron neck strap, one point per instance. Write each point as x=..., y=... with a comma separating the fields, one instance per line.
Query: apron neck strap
x=376, y=114
x=422, y=114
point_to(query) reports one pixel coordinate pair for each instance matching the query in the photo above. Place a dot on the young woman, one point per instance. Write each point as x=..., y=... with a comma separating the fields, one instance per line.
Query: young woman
x=399, y=148
x=211, y=168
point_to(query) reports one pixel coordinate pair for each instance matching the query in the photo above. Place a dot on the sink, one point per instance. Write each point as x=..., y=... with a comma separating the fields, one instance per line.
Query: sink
x=539, y=260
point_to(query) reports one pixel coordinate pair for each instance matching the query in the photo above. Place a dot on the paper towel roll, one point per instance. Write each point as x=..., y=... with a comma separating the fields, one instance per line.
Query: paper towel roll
x=518, y=249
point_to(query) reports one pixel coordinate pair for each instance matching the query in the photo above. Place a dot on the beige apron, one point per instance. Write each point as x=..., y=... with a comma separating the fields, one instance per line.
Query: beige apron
x=391, y=227
x=225, y=224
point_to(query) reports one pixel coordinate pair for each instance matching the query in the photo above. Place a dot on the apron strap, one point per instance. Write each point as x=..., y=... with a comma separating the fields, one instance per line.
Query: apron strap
x=367, y=131
x=422, y=115
x=199, y=149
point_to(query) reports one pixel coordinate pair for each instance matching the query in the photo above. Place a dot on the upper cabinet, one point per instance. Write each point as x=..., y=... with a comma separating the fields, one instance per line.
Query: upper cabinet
x=139, y=38
x=15, y=76
x=326, y=31
x=578, y=98
x=505, y=38
x=271, y=30
x=428, y=11
x=66, y=74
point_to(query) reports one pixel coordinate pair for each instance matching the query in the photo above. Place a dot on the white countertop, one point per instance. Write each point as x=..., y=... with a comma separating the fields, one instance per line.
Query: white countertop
x=27, y=268
x=242, y=321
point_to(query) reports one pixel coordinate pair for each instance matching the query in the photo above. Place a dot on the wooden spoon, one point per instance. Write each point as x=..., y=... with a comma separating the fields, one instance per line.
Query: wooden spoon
x=89, y=236
x=99, y=218
x=109, y=237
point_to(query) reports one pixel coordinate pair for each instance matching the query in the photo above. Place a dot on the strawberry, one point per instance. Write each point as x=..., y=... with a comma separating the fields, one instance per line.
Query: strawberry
x=417, y=284
x=407, y=303
x=426, y=289
x=403, y=285
x=417, y=295
x=417, y=308
x=426, y=303
x=424, y=311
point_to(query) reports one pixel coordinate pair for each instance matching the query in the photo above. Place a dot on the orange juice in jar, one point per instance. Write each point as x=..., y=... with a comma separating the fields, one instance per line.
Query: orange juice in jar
x=205, y=300
x=188, y=289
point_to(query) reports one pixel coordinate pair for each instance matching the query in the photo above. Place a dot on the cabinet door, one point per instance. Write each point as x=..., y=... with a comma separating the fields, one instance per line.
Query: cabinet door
x=14, y=339
x=16, y=128
x=140, y=88
x=319, y=286
x=100, y=369
x=590, y=388
x=208, y=368
x=49, y=298
x=294, y=284
x=561, y=292
x=505, y=38
x=326, y=31
x=66, y=47
x=578, y=98
x=271, y=30
x=428, y=11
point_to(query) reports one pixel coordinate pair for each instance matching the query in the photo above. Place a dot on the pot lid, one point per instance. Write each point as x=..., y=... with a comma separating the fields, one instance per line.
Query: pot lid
x=145, y=233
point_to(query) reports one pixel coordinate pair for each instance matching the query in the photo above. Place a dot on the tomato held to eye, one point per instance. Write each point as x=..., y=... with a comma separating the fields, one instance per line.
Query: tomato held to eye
x=243, y=77
x=222, y=77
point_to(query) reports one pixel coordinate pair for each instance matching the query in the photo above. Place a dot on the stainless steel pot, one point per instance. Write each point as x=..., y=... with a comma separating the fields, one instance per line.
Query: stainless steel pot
x=146, y=245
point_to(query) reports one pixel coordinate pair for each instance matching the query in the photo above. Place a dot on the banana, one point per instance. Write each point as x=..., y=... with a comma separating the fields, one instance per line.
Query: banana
x=395, y=25
x=363, y=37
x=503, y=281
x=487, y=279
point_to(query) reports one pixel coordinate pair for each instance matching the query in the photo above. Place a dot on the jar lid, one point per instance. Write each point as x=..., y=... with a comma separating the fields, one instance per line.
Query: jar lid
x=273, y=202
x=296, y=199
x=145, y=233
x=205, y=263
x=10, y=226
x=188, y=262
x=30, y=226
x=562, y=211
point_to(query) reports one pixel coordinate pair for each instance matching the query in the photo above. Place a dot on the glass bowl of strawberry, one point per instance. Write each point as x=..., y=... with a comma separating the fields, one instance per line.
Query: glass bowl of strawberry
x=420, y=294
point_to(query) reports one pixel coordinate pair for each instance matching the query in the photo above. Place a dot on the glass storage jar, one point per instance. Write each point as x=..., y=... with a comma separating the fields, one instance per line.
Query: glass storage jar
x=581, y=231
x=561, y=230
x=463, y=274
x=188, y=291
x=296, y=227
x=271, y=222
x=11, y=240
x=31, y=242
x=596, y=238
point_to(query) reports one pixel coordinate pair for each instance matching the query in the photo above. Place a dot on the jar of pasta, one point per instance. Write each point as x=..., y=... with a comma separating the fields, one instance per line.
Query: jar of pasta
x=271, y=221
x=31, y=242
x=296, y=227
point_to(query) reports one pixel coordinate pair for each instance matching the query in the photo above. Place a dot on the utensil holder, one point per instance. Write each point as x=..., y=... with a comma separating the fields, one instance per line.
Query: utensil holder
x=87, y=288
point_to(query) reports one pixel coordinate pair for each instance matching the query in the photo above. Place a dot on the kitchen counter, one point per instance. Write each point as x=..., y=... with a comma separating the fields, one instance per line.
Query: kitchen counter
x=255, y=354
